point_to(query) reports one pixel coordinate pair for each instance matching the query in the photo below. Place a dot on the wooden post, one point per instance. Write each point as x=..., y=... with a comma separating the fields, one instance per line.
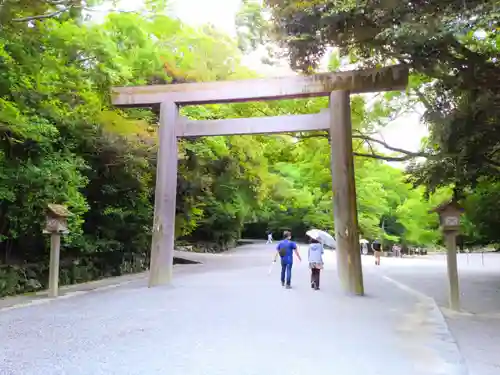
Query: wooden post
x=451, y=260
x=344, y=194
x=55, y=249
x=449, y=219
x=162, y=247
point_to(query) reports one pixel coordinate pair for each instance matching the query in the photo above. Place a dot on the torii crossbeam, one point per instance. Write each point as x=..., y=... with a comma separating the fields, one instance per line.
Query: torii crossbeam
x=337, y=119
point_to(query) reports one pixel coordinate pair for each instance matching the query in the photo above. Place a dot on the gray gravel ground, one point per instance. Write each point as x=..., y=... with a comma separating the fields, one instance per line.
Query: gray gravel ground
x=228, y=316
x=477, y=327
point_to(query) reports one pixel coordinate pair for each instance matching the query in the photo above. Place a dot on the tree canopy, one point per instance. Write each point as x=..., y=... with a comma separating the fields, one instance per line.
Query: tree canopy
x=452, y=48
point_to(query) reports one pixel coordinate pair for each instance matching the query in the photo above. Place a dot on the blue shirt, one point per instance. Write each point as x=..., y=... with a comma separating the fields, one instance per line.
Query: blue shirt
x=289, y=246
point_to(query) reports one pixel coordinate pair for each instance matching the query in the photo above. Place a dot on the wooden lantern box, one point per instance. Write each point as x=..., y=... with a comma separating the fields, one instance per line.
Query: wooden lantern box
x=56, y=219
x=449, y=216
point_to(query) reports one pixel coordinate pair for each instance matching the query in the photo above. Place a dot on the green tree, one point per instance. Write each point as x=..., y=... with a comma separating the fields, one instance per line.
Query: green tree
x=452, y=50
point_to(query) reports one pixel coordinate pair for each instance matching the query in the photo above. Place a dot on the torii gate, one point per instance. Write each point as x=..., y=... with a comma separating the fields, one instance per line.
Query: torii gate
x=337, y=119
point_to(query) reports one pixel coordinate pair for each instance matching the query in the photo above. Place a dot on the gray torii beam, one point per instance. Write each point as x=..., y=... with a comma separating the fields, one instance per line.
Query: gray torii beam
x=338, y=86
x=356, y=82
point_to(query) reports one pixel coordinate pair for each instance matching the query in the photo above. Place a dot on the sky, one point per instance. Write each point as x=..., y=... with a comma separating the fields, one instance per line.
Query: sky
x=405, y=132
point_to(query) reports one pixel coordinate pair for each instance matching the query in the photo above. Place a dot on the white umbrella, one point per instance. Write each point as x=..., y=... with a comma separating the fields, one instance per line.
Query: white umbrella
x=362, y=241
x=323, y=237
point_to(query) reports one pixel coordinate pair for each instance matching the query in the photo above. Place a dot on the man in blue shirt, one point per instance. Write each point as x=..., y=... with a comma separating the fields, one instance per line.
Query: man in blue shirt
x=285, y=251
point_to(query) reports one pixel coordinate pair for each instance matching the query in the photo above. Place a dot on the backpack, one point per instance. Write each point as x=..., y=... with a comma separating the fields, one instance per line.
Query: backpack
x=282, y=251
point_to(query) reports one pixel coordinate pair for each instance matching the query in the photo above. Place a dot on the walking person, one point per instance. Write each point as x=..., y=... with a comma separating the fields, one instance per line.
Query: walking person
x=269, y=238
x=285, y=250
x=377, y=249
x=315, y=257
x=365, y=249
x=396, y=250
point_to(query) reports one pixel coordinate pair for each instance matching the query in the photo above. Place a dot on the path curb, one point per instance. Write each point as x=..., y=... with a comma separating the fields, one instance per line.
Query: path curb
x=75, y=290
x=43, y=299
x=438, y=316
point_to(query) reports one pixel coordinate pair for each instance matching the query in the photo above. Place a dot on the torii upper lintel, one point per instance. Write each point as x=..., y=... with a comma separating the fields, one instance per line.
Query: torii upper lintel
x=357, y=81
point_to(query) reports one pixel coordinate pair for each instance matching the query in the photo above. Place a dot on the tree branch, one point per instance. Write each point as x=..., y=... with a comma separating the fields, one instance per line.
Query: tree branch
x=61, y=11
x=41, y=16
x=492, y=162
x=368, y=140
x=372, y=151
x=323, y=134
x=412, y=154
x=384, y=157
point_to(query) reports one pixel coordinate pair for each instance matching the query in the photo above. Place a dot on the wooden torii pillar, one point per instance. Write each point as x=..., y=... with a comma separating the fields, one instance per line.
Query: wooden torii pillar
x=338, y=86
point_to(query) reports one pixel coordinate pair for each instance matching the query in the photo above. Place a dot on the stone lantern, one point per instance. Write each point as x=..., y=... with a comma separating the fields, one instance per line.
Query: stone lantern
x=449, y=216
x=56, y=219
x=56, y=224
x=449, y=219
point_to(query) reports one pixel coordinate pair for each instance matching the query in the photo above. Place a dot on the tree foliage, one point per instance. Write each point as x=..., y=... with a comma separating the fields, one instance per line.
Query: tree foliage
x=452, y=48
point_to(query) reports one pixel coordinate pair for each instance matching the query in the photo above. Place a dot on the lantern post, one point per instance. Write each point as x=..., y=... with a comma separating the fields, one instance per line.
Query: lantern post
x=56, y=225
x=449, y=218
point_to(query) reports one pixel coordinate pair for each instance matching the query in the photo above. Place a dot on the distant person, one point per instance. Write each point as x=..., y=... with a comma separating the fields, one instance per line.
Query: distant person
x=364, y=249
x=377, y=249
x=396, y=249
x=285, y=251
x=269, y=238
x=315, y=257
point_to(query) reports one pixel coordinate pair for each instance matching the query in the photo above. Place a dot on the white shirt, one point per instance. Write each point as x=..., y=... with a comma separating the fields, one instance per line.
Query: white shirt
x=316, y=253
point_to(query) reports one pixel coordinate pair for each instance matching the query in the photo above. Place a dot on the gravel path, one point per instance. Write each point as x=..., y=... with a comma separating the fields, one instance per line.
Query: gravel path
x=228, y=316
x=477, y=327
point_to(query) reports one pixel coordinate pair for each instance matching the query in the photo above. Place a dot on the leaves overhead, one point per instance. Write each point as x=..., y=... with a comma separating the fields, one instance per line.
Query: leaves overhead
x=454, y=45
